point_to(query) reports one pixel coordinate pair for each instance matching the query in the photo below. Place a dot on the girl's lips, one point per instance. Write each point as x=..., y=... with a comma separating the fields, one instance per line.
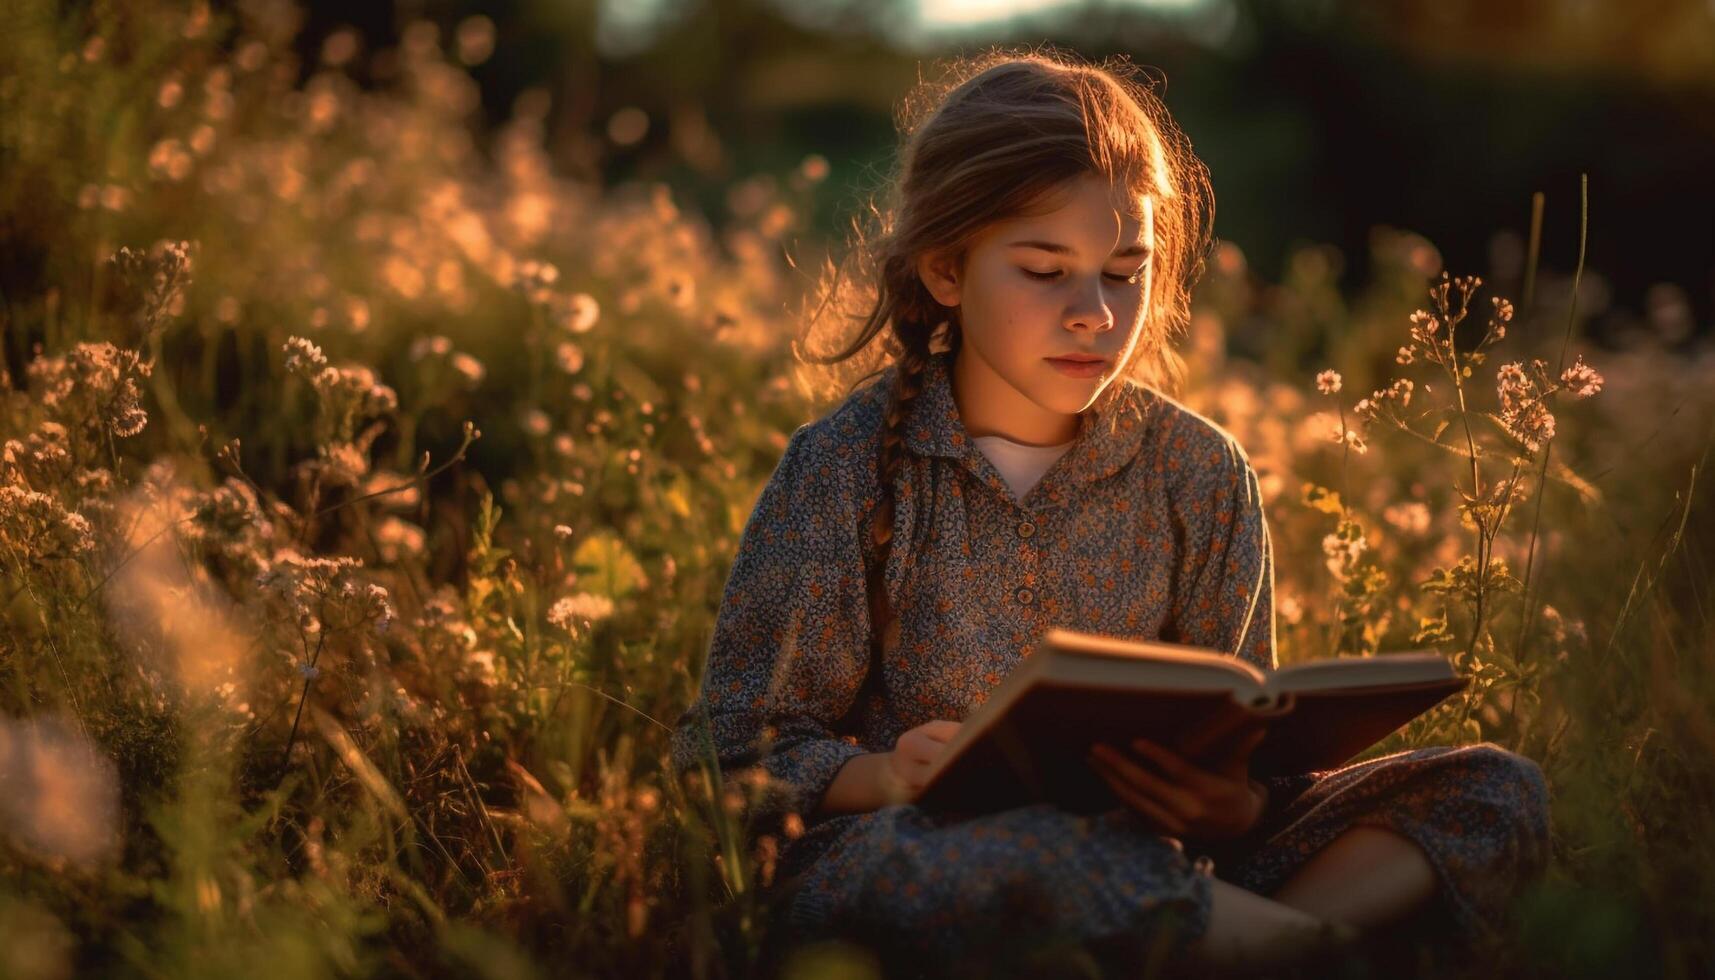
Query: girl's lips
x=1077, y=369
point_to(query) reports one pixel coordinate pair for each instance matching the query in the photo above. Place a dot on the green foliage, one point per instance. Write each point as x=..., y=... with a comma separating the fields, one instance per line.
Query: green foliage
x=353, y=579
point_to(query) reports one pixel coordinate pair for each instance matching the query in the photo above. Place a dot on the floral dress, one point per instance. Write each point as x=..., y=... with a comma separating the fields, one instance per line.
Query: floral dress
x=1150, y=526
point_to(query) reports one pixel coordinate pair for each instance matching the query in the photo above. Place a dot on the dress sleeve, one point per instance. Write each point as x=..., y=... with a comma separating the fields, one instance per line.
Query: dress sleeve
x=1223, y=595
x=790, y=648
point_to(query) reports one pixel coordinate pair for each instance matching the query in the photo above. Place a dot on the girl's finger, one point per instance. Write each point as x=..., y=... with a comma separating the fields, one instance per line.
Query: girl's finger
x=1171, y=762
x=1180, y=801
x=1165, y=821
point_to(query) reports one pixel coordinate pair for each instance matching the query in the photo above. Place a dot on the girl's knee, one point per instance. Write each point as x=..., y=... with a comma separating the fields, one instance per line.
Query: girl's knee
x=1510, y=780
x=1508, y=767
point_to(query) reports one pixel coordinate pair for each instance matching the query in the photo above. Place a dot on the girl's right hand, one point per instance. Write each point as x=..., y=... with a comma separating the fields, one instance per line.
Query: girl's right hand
x=914, y=753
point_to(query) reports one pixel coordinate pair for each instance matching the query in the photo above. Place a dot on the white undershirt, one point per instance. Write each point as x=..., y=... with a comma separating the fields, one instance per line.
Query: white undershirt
x=1020, y=465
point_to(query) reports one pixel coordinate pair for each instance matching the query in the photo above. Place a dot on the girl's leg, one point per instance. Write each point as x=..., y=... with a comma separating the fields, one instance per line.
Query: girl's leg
x=1248, y=931
x=1367, y=876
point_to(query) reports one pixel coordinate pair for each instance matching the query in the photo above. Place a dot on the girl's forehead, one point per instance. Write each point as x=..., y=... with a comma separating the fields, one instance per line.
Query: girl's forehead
x=1086, y=211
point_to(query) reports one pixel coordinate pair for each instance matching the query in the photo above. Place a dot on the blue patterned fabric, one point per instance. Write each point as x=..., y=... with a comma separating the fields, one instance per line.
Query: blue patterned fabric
x=1150, y=526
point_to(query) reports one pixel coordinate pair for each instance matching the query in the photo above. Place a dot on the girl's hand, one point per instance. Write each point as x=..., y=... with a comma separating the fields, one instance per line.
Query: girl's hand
x=913, y=754
x=1185, y=800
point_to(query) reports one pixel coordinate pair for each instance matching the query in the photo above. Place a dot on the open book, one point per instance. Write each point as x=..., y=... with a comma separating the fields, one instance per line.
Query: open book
x=1027, y=743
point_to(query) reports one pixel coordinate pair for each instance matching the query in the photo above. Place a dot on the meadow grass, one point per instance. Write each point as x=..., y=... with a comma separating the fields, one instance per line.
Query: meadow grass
x=368, y=490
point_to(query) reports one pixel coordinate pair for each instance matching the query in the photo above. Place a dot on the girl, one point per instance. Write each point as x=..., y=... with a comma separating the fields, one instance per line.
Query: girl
x=1018, y=466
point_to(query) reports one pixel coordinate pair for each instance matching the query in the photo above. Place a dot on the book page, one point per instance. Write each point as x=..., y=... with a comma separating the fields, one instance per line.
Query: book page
x=1387, y=669
x=1175, y=659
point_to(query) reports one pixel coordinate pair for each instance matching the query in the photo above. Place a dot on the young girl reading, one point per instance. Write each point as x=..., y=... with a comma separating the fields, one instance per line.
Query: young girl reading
x=1019, y=465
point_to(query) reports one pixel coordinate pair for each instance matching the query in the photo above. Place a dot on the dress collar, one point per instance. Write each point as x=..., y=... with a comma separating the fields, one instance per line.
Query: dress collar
x=1109, y=432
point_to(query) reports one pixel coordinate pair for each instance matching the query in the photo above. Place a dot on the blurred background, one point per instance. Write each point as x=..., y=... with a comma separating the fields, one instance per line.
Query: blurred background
x=1319, y=119
x=386, y=388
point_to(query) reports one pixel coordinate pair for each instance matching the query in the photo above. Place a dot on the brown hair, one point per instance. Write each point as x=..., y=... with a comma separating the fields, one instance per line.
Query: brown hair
x=991, y=138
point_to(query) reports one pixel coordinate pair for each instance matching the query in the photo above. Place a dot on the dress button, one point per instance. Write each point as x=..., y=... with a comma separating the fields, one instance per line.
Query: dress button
x=1025, y=596
x=1026, y=529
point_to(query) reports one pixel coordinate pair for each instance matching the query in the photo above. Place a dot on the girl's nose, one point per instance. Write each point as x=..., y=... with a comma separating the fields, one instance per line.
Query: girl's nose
x=1089, y=313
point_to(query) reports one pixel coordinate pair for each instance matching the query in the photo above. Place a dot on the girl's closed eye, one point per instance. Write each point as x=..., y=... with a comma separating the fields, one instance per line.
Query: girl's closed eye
x=1131, y=279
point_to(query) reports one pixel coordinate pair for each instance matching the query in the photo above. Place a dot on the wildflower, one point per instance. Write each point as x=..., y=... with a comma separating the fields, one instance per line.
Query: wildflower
x=396, y=539
x=446, y=636
x=468, y=368
x=1343, y=548
x=482, y=661
x=575, y=613
x=323, y=593
x=342, y=464
x=231, y=507
x=1523, y=415
x=1533, y=426
x=308, y=672
x=303, y=357
x=359, y=390
x=399, y=492
x=115, y=198
x=1386, y=401
x=339, y=48
x=37, y=526
x=435, y=346
x=1581, y=379
x=475, y=39
x=1512, y=386
x=158, y=277
x=1328, y=382
x=580, y=314
x=1411, y=517
x=42, y=459
x=627, y=126
x=1425, y=340
x=536, y=280
x=1498, y=321
x=346, y=395
x=232, y=528
x=378, y=607
x=1401, y=389
x=569, y=357
x=1406, y=355
x=94, y=483
x=94, y=388
x=536, y=422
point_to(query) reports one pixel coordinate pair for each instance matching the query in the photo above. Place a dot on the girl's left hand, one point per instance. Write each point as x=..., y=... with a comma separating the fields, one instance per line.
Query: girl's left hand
x=1186, y=800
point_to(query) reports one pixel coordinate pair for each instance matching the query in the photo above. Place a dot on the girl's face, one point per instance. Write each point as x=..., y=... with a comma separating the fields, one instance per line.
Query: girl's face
x=1072, y=280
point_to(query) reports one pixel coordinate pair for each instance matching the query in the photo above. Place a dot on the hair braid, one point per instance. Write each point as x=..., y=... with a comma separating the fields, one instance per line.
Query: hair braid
x=908, y=384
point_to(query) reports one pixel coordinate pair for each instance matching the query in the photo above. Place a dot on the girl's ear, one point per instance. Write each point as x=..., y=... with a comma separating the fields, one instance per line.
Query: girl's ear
x=940, y=276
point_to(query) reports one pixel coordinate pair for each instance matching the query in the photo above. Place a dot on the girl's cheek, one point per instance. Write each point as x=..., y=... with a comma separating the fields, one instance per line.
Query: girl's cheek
x=1014, y=306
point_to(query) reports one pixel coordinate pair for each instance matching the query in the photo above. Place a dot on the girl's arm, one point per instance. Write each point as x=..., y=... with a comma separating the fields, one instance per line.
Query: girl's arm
x=790, y=646
x=877, y=779
x=1224, y=586
x=864, y=783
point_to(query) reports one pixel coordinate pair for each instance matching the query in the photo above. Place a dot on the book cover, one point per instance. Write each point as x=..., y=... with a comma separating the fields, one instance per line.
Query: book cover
x=1027, y=742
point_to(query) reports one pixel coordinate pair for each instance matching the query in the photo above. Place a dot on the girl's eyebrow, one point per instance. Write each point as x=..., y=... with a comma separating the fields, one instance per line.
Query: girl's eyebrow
x=1058, y=249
